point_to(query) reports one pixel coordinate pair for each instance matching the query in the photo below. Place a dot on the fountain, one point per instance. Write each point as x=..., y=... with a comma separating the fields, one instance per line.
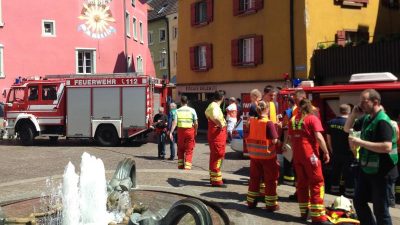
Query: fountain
x=87, y=199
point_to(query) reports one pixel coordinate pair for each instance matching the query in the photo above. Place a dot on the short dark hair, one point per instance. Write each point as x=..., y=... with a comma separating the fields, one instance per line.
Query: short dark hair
x=184, y=99
x=268, y=89
x=219, y=95
x=373, y=95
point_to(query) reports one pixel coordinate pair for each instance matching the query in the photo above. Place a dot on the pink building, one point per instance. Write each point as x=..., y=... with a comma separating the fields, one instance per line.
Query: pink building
x=44, y=37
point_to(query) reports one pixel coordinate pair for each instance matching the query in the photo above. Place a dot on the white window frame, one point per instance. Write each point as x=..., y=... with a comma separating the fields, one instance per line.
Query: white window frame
x=93, y=66
x=150, y=37
x=247, y=4
x=248, y=50
x=163, y=59
x=134, y=22
x=159, y=35
x=139, y=64
x=1, y=15
x=127, y=24
x=129, y=62
x=2, y=74
x=141, y=32
x=201, y=12
x=202, y=57
x=44, y=33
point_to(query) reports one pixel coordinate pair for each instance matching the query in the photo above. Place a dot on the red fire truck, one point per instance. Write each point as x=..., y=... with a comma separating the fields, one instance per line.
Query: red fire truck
x=328, y=98
x=108, y=108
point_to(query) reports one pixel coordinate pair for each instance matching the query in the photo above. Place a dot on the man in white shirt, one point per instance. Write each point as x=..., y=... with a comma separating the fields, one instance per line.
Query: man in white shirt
x=231, y=117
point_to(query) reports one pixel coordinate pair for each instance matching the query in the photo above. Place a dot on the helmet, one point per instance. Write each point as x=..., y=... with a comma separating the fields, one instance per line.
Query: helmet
x=342, y=203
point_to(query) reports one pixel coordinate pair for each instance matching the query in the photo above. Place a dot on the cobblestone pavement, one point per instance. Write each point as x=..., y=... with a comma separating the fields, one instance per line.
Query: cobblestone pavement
x=23, y=171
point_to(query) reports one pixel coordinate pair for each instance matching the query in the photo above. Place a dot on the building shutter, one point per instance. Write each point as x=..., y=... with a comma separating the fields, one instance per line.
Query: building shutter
x=258, y=49
x=193, y=58
x=341, y=37
x=210, y=10
x=258, y=4
x=235, y=7
x=193, y=14
x=209, y=56
x=235, y=52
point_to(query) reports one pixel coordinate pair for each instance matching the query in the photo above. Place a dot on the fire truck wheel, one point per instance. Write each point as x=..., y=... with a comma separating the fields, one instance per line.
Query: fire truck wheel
x=26, y=134
x=107, y=136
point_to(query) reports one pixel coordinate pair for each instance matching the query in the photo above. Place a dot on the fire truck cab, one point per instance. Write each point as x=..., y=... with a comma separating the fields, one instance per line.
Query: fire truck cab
x=107, y=108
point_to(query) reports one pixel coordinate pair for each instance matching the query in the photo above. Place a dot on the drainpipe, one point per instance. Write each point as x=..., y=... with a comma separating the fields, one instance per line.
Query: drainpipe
x=292, y=43
x=168, y=43
x=125, y=38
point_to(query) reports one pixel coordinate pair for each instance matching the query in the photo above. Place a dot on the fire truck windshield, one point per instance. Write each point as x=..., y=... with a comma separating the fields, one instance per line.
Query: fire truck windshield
x=16, y=94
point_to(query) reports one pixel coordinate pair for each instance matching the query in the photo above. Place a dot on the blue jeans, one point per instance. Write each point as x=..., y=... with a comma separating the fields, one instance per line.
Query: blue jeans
x=172, y=146
x=161, y=144
x=376, y=189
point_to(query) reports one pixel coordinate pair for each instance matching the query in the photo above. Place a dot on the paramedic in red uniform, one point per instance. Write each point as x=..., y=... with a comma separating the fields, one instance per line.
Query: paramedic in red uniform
x=216, y=136
x=263, y=160
x=305, y=136
x=186, y=121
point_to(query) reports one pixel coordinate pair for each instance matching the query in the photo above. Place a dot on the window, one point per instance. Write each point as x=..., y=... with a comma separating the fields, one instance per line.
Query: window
x=33, y=93
x=247, y=6
x=127, y=26
x=351, y=37
x=139, y=64
x=129, y=64
x=201, y=12
x=141, y=32
x=48, y=28
x=150, y=37
x=391, y=4
x=174, y=32
x=2, y=75
x=49, y=92
x=133, y=2
x=163, y=59
x=353, y=3
x=17, y=95
x=247, y=51
x=163, y=35
x=201, y=57
x=86, y=61
x=1, y=15
x=134, y=28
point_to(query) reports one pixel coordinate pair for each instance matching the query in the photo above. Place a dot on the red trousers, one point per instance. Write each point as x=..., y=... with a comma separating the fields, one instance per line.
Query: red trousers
x=186, y=143
x=310, y=187
x=267, y=171
x=217, y=142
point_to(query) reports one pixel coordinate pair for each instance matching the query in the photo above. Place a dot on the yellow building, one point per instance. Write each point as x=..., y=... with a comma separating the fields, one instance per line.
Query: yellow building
x=238, y=45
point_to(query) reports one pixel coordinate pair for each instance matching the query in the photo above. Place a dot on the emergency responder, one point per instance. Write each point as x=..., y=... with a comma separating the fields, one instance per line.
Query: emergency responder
x=268, y=97
x=216, y=136
x=378, y=158
x=342, y=156
x=255, y=96
x=186, y=121
x=288, y=173
x=306, y=138
x=231, y=116
x=263, y=159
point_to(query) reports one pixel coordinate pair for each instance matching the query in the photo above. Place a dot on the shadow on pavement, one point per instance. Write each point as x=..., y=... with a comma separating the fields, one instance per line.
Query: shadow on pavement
x=277, y=216
x=225, y=195
x=244, y=171
x=181, y=183
x=234, y=156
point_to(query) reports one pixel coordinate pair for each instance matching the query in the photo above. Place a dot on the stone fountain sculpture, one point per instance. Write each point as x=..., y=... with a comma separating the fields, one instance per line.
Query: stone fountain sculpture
x=122, y=183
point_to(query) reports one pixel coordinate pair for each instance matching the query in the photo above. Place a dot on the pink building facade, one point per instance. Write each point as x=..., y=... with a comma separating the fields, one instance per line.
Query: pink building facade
x=39, y=38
